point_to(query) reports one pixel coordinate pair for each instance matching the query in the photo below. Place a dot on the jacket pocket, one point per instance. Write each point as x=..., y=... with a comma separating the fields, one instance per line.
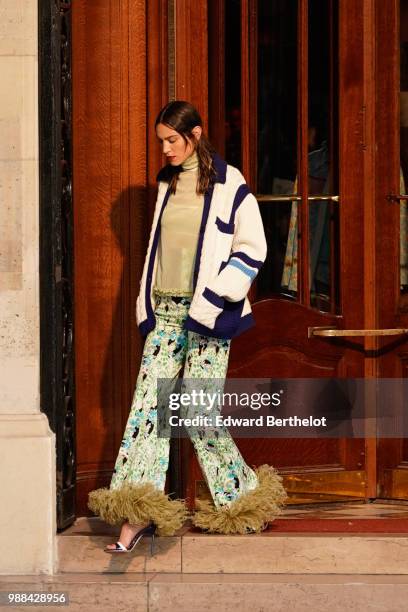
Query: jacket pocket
x=225, y=228
x=229, y=315
x=213, y=298
x=229, y=319
x=207, y=308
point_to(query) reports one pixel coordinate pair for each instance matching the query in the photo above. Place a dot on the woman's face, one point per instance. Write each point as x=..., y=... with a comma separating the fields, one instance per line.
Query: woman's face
x=174, y=146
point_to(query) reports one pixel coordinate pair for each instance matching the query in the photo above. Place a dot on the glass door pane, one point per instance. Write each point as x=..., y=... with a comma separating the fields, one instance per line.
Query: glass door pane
x=323, y=124
x=277, y=142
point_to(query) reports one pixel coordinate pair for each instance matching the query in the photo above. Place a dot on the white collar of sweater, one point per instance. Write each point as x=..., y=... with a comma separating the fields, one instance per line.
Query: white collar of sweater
x=191, y=163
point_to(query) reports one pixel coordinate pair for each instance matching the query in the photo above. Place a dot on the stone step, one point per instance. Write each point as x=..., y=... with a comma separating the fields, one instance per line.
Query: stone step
x=191, y=552
x=131, y=592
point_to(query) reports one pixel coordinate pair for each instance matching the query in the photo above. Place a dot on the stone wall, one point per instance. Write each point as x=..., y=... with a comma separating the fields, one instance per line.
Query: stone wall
x=27, y=445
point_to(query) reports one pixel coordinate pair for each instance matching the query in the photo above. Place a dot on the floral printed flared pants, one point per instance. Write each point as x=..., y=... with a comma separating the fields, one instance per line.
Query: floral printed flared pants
x=143, y=455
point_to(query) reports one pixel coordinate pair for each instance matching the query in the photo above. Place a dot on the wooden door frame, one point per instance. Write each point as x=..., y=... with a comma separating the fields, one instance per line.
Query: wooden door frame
x=392, y=358
x=368, y=143
x=57, y=331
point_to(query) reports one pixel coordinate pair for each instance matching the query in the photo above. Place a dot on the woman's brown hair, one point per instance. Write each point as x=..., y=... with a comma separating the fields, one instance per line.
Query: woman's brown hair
x=183, y=117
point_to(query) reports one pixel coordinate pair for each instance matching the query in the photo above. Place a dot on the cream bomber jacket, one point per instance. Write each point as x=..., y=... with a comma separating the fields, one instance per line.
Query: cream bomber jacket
x=230, y=251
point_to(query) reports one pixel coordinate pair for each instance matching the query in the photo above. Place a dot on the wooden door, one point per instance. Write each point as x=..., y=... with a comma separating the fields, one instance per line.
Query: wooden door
x=392, y=237
x=296, y=105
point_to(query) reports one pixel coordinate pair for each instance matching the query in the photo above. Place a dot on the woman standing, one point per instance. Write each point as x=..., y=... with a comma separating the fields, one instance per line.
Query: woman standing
x=206, y=246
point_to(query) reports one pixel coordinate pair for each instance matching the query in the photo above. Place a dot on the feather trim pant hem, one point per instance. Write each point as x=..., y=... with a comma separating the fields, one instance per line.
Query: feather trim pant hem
x=139, y=503
x=250, y=512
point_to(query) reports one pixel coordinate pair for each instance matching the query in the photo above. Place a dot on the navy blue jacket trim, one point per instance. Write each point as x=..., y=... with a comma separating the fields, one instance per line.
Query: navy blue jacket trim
x=242, y=192
x=213, y=298
x=149, y=310
x=220, y=166
x=225, y=228
x=254, y=263
x=224, y=332
x=146, y=326
x=207, y=203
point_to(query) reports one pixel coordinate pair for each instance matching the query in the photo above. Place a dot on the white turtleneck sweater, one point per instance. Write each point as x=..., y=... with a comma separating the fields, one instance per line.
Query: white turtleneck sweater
x=180, y=225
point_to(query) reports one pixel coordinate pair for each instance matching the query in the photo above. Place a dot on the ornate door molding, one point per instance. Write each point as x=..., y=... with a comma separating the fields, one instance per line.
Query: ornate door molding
x=56, y=245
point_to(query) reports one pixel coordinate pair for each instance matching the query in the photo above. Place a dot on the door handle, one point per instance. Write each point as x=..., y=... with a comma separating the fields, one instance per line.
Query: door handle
x=332, y=332
x=296, y=198
x=396, y=198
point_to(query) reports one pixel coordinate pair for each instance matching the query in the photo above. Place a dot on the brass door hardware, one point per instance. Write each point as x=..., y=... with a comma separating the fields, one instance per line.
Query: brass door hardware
x=296, y=198
x=331, y=332
x=396, y=198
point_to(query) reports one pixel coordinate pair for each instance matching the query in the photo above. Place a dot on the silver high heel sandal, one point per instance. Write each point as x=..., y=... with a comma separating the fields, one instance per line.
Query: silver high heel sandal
x=121, y=548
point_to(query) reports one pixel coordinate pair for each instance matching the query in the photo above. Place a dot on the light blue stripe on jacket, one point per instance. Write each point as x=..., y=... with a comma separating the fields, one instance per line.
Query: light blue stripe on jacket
x=243, y=268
